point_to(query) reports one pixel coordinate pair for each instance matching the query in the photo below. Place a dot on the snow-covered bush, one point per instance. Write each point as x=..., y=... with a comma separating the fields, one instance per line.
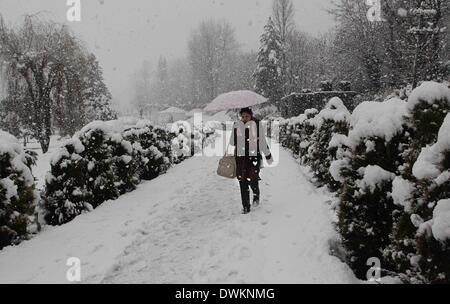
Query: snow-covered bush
x=329, y=126
x=427, y=106
x=182, y=143
x=366, y=171
x=432, y=169
x=66, y=193
x=84, y=173
x=152, y=146
x=18, y=197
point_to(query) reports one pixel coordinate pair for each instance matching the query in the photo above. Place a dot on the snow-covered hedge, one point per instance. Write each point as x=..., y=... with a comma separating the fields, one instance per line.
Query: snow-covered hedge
x=366, y=212
x=432, y=214
x=295, y=134
x=427, y=107
x=393, y=168
x=102, y=162
x=18, y=197
x=329, y=126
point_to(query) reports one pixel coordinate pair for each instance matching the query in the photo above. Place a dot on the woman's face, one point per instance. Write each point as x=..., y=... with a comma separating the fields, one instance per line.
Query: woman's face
x=246, y=117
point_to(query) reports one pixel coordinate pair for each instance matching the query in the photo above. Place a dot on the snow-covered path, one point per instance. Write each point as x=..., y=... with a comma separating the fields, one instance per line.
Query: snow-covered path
x=186, y=227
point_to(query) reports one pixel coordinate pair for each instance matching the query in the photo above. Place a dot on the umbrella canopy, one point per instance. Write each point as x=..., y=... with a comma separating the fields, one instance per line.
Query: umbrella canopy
x=235, y=100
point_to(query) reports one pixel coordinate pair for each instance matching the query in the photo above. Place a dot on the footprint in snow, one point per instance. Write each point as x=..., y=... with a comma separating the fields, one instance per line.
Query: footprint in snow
x=245, y=253
x=233, y=273
x=143, y=232
x=123, y=233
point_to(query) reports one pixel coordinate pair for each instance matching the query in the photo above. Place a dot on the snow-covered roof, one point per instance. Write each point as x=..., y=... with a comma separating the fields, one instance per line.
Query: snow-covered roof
x=172, y=110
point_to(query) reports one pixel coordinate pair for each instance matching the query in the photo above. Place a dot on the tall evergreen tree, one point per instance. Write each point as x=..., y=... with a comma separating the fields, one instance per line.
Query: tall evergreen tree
x=97, y=97
x=283, y=12
x=268, y=75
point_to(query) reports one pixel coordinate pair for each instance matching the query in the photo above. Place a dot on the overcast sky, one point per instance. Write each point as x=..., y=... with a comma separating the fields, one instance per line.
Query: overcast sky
x=124, y=33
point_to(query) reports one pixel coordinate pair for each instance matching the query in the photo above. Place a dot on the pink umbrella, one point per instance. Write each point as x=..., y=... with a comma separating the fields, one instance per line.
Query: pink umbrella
x=235, y=100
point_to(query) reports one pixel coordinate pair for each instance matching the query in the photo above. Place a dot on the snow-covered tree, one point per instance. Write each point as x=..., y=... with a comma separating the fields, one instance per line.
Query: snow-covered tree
x=18, y=197
x=283, y=12
x=268, y=74
x=52, y=79
x=161, y=85
x=212, y=50
x=96, y=96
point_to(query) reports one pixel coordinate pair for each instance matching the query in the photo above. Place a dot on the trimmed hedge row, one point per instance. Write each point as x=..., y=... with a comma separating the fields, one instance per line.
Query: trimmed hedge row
x=103, y=161
x=390, y=167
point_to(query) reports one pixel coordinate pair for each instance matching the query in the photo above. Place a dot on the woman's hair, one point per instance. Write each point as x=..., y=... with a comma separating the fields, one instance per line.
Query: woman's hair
x=246, y=110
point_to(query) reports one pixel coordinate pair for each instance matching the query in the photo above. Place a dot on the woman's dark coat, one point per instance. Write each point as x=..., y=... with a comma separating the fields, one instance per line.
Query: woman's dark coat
x=249, y=141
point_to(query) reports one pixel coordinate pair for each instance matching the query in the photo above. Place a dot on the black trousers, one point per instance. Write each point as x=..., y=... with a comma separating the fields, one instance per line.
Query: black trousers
x=245, y=191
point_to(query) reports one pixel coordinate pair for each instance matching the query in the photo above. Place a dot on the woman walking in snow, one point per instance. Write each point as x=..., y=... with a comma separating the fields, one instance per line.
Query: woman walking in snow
x=249, y=140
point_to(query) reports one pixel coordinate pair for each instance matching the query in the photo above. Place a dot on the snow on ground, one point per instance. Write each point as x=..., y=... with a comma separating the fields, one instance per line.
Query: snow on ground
x=186, y=227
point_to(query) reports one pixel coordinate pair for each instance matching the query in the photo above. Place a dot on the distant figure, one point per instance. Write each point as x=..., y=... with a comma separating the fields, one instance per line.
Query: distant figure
x=249, y=142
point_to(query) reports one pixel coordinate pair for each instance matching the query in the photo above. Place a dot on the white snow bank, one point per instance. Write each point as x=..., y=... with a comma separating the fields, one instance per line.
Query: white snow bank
x=377, y=119
x=429, y=92
x=429, y=162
